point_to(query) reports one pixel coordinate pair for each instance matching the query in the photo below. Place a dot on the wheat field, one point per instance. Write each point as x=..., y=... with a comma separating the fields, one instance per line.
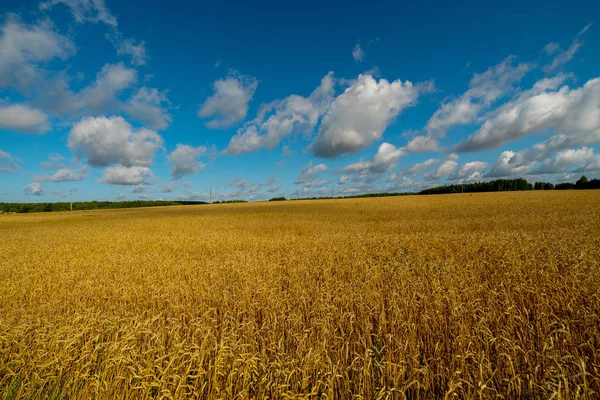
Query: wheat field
x=491, y=295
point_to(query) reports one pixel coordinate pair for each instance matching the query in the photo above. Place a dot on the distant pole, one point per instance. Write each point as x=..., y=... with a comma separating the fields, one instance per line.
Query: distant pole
x=210, y=197
x=332, y=191
x=71, y=199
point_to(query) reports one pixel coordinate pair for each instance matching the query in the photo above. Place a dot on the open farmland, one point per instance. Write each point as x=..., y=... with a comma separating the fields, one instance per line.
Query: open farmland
x=416, y=297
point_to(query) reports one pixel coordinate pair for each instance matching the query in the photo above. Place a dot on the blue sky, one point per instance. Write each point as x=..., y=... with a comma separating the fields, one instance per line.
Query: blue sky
x=154, y=100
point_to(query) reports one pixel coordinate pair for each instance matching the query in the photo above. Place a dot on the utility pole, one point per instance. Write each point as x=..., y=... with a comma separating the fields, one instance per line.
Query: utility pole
x=332, y=191
x=71, y=199
x=210, y=196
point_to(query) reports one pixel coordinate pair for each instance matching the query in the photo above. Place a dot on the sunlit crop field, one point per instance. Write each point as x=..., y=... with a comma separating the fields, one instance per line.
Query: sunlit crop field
x=421, y=297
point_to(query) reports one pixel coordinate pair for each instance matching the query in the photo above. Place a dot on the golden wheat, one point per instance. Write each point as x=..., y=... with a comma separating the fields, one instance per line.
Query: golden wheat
x=466, y=296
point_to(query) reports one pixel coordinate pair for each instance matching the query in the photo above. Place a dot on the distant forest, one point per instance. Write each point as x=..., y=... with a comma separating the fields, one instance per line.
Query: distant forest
x=88, y=205
x=499, y=185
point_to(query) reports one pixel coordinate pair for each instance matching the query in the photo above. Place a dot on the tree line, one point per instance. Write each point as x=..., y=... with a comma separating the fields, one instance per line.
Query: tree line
x=88, y=205
x=502, y=185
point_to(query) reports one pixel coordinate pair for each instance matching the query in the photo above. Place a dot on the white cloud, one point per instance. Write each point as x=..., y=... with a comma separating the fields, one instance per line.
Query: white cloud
x=110, y=82
x=343, y=179
x=6, y=163
x=149, y=106
x=121, y=175
x=137, y=51
x=564, y=159
x=572, y=112
x=138, y=189
x=422, y=144
x=585, y=29
x=386, y=158
x=23, y=118
x=103, y=141
x=85, y=10
x=470, y=172
x=281, y=118
x=23, y=47
x=33, y=189
x=460, y=111
x=564, y=56
x=95, y=11
x=184, y=161
x=484, y=89
x=55, y=162
x=402, y=183
x=359, y=116
x=551, y=48
x=425, y=174
x=358, y=53
x=310, y=173
x=167, y=188
x=506, y=166
x=64, y=175
x=445, y=169
x=229, y=102
x=592, y=165
x=419, y=168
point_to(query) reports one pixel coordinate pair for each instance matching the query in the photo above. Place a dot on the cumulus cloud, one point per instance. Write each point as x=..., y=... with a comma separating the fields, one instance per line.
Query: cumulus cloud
x=229, y=103
x=122, y=175
x=592, y=165
x=506, y=166
x=64, y=175
x=521, y=162
x=150, y=107
x=470, y=172
x=6, y=163
x=358, y=53
x=23, y=118
x=548, y=157
x=572, y=112
x=359, y=116
x=484, y=89
x=562, y=160
x=281, y=118
x=419, y=168
x=310, y=172
x=24, y=46
x=33, y=189
x=386, y=158
x=426, y=174
x=103, y=141
x=445, y=169
x=110, y=81
x=184, y=161
x=422, y=144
